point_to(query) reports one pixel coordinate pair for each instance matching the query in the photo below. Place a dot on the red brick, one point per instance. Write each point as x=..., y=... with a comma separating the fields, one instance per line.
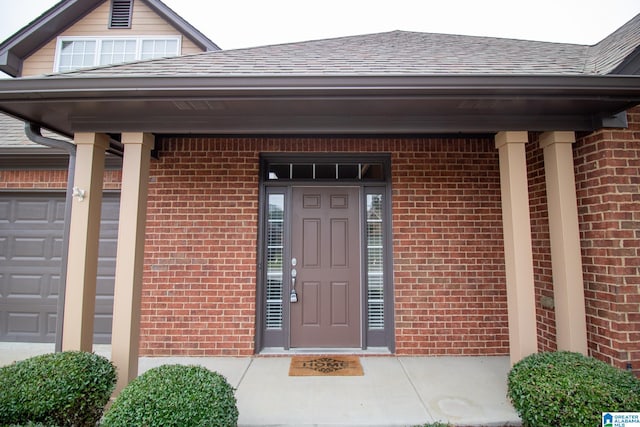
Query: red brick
x=200, y=274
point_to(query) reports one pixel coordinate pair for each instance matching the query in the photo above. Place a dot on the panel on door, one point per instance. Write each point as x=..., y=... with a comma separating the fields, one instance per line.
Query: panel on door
x=31, y=227
x=326, y=243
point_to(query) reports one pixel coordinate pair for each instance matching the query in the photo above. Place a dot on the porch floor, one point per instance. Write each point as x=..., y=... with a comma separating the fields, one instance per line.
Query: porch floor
x=394, y=391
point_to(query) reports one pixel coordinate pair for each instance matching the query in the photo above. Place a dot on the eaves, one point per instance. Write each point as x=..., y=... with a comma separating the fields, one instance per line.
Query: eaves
x=320, y=104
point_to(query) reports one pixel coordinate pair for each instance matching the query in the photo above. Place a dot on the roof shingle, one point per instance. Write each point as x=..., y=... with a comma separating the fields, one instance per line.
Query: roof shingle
x=396, y=53
x=611, y=52
x=391, y=53
x=14, y=136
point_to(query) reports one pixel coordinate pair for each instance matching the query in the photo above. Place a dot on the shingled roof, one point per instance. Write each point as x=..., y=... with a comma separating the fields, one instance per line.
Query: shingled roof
x=618, y=53
x=393, y=82
x=391, y=53
x=397, y=53
x=13, y=134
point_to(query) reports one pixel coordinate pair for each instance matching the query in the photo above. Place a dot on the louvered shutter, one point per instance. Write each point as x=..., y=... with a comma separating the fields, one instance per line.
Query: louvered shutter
x=121, y=14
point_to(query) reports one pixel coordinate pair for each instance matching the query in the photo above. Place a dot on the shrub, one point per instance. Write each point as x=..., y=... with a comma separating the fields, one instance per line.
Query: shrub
x=175, y=395
x=569, y=389
x=61, y=389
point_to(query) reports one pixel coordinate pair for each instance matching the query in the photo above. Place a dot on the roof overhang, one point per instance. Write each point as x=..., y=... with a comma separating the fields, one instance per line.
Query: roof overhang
x=320, y=104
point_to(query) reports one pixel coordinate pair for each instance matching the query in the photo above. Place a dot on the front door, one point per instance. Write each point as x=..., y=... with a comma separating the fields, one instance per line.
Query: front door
x=325, y=248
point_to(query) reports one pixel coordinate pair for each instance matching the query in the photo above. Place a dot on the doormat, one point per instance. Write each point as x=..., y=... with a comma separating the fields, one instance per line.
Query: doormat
x=325, y=366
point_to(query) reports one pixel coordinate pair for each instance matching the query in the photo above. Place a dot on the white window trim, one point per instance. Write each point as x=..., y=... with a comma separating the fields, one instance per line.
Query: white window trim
x=100, y=39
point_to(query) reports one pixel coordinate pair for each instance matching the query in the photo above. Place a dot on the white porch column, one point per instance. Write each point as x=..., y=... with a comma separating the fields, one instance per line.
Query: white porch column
x=82, y=269
x=566, y=261
x=523, y=339
x=130, y=256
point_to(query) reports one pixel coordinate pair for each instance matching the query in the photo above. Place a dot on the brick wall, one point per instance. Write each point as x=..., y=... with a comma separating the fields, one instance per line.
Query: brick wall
x=33, y=179
x=199, y=291
x=607, y=166
x=199, y=295
x=448, y=248
x=200, y=267
x=200, y=274
x=38, y=180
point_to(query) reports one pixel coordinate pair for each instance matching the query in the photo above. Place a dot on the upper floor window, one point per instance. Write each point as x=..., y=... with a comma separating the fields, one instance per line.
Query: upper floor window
x=79, y=52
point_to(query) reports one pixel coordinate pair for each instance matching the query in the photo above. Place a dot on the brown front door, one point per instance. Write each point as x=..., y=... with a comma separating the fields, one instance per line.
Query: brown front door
x=326, y=247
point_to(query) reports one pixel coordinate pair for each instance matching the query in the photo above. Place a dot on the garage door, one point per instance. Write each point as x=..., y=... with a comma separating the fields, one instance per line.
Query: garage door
x=31, y=227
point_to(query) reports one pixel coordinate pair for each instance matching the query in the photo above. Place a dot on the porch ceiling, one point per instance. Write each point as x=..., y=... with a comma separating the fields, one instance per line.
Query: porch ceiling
x=320, y=104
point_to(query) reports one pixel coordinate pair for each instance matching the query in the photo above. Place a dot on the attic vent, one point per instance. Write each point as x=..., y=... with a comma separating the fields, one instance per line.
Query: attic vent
x=121, y=14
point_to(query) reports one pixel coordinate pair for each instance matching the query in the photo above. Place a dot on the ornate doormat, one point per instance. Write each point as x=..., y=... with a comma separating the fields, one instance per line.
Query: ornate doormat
x=344, y=366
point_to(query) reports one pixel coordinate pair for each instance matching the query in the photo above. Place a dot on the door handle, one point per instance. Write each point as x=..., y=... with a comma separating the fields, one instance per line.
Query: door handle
x=293, y=296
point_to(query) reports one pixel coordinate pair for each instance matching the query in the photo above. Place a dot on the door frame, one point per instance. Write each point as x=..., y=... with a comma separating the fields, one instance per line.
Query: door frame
x=280, y=338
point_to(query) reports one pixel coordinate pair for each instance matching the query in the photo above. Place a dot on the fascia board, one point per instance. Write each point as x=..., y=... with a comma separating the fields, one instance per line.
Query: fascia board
x=630, y=65
x=45, y=27
x=10, y=64
x=181, y=25
x=626, y=87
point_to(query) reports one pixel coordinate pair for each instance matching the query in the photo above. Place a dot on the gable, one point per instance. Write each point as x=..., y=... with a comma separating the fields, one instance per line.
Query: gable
x=144, y=22
x=36, y=42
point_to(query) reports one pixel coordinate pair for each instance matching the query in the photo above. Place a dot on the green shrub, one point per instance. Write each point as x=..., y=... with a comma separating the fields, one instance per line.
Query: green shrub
x=61, y=389
x=175, y=395
x=30, y=424
x=435, y=424
x=570, y=390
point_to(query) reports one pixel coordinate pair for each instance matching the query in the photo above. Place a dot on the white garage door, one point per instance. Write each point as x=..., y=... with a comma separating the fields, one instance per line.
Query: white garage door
x=31, y=227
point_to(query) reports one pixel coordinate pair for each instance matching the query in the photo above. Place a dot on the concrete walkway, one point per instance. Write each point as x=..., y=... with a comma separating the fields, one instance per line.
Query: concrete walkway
x=394, y=391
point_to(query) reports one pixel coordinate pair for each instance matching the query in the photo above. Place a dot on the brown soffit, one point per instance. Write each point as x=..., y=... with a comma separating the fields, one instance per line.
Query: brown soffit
x=320, y=104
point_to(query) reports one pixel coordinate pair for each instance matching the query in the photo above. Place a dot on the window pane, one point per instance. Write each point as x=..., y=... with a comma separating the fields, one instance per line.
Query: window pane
x=302, y=172
x=374, y=171
x=375, y=261
x=107, y=46
x=117, y=51
x=275, y=248
x=148, y=48
x=348, y=171
x=118, y=47
x=65, y=62
x=159, y=48
x=76, y=54
x=66, y=48
x=326, y=171
x=171, y=47
x=279, y=171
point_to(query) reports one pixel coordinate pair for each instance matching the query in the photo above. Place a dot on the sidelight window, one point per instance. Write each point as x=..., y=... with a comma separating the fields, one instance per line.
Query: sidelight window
x=375, y=261
x=275, y=256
